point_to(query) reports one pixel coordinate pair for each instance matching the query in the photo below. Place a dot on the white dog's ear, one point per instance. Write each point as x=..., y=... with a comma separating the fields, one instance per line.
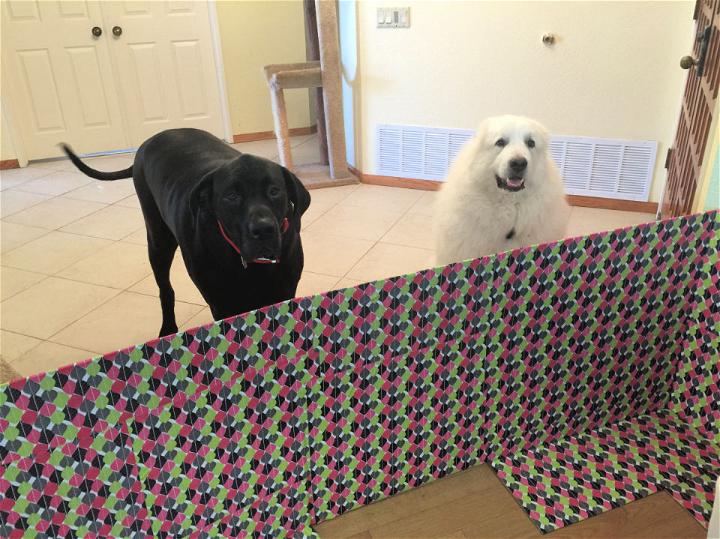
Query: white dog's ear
x=481, y=131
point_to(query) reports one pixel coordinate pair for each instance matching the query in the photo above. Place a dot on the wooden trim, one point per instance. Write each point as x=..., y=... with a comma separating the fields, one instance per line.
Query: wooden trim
x=394, y=181
x=9, y=163
x=267, y=135
x=612, y=204
x=573, y=200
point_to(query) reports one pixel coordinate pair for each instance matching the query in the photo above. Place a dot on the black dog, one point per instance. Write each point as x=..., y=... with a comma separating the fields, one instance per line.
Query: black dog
x=235, y=216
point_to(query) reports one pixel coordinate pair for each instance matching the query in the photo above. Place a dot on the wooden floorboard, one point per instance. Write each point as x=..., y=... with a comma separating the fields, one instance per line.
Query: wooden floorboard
x=474, y=504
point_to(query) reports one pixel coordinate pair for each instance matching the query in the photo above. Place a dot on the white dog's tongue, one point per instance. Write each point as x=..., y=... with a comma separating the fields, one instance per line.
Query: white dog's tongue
x=514, y=182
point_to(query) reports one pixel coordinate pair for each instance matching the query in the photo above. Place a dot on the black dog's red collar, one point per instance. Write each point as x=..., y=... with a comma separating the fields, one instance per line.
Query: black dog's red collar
x=284, y=226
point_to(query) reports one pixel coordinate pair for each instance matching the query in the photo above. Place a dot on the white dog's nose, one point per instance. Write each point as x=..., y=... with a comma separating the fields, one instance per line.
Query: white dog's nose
x=518, y=164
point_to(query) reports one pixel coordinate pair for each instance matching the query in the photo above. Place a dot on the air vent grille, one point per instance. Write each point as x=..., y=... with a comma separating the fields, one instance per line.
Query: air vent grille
x=608, y=168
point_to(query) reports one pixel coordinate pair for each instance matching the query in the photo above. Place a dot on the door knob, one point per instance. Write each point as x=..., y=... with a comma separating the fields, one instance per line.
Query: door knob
x=686, y=62
x=96, y=31
x=117, y=31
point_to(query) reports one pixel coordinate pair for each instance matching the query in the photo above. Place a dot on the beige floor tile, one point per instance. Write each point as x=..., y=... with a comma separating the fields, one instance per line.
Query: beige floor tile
x=347, y=283
x=200, y=319
x=185, y=289
x=45, y=308
x=329, y=254
x=107, y=192
x=329, y=196
x=425, y=205
x=13, y=281
x=49, y=356
x=412, y=230
x=125, y=320
x=356, y=222
x=585, y=221
x=130, y=202
x=54, y=213
x=14, y=345
x=138, y=237
x=52, y=252
x=313, y=213
x=107, y=163
x=55, y=183
x=17, y=176
x=262, y=148
x=112, y=222
x=62, y=165
x=379, y=197
x=111, y=163
x=385, y=260
x=315, y=283
x=306, y=153
x=302, y=139
x=119, y=265
x=14, y=235
x=12, y=202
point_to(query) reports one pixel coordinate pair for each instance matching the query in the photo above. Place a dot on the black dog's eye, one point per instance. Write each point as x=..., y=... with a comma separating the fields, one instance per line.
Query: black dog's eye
x=232, y=195
x=530, y=143
x=274, y=192
x=501, y=142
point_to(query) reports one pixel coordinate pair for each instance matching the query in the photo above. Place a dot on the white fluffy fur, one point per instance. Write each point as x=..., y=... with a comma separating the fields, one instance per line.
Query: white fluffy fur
x=473, y=215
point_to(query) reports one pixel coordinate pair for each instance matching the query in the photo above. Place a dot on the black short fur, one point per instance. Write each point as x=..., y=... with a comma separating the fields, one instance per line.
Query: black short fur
x=187, y=181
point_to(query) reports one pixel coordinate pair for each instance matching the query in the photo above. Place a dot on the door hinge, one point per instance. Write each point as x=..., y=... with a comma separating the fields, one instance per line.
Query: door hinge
x=668, y=157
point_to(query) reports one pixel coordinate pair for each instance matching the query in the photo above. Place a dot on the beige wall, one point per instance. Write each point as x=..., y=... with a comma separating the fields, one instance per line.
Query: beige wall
x=254, y=34
x=613, y=72
x=7, y=150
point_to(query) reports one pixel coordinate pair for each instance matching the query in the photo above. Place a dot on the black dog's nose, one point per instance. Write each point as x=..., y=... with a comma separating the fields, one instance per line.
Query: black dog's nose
x=262, y=227
x=519, y=164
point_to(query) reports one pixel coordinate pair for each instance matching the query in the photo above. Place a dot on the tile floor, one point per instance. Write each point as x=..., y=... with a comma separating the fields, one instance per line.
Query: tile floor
x=474, y=504
x=75, y=280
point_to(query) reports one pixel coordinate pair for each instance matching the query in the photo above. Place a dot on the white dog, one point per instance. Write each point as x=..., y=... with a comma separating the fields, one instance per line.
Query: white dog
x=503, y=192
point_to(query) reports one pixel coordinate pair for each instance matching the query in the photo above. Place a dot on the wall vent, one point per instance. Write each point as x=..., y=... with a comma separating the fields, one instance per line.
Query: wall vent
x=423, y=153
x=610, y=168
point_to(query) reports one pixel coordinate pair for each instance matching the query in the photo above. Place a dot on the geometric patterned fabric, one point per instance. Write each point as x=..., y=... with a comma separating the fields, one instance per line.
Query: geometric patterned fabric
x=586, y=372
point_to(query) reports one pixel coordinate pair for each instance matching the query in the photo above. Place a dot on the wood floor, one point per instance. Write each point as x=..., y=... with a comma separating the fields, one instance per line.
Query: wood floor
x=474, y=504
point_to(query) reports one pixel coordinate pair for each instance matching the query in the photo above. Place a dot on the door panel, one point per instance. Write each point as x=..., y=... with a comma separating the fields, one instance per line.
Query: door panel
x=147, y=82
x=58, y=78
x=165, y=65
x=87, y=77
x=38, y=82
x=701, y=91
x=188, y=66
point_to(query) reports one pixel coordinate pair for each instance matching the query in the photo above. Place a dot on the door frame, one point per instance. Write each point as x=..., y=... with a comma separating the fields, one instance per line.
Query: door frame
x=220, y=70
x=18, y=145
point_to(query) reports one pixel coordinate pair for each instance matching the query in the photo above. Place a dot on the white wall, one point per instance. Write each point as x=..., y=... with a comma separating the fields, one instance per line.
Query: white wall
x=612, y=73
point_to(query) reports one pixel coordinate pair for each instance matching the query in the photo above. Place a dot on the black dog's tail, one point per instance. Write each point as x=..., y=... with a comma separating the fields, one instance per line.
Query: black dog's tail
x=97, y=174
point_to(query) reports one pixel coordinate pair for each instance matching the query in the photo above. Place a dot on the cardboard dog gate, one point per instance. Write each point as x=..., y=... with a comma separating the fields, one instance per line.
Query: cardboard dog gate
x=585, y=372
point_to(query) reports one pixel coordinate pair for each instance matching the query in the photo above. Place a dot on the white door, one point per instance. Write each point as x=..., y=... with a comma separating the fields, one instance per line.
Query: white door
x=57, y=77
x=166, y=70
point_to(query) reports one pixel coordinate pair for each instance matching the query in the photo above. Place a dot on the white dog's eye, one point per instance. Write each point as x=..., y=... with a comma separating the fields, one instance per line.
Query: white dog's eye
x=501, y=142
x=530, y=143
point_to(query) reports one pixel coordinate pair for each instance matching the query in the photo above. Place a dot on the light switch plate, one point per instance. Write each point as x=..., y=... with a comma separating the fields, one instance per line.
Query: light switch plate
x=393, y=17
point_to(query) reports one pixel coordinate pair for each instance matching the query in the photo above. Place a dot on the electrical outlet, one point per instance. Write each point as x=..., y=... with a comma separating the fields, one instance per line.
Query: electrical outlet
x=393, y=17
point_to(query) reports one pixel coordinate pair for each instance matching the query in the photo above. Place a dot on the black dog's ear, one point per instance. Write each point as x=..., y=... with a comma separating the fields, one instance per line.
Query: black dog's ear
x=201, y=195
x=299, y=196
